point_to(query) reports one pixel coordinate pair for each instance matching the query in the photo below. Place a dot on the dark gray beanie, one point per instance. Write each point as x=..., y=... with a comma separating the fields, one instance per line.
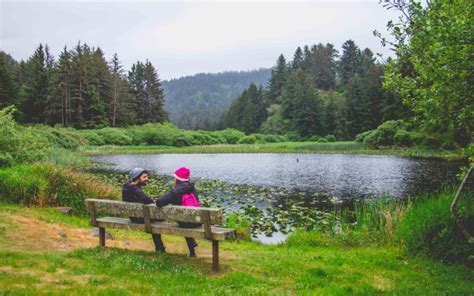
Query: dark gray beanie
x=135, y=173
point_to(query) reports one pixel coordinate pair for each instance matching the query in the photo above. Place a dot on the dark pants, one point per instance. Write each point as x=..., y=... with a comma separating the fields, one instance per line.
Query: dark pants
x=190, y=241
x=160, y=247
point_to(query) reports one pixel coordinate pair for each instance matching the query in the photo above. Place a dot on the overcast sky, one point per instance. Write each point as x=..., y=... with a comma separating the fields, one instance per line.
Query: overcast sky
x=189, y=37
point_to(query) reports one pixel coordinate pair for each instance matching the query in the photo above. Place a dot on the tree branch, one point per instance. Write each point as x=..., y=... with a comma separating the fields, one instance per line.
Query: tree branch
x=454, y=211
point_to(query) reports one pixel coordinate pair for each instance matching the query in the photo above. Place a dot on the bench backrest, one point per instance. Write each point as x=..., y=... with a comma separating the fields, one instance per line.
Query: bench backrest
x=123, y=209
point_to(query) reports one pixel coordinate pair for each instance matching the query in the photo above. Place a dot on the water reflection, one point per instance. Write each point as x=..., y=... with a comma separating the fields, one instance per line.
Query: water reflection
x=343, y=176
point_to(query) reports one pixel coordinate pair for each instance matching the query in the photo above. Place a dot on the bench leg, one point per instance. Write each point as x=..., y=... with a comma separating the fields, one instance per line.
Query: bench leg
x=102, y=237
x=215, y=255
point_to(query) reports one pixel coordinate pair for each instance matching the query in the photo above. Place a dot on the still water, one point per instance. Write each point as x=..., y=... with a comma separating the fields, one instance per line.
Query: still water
x=339, y=175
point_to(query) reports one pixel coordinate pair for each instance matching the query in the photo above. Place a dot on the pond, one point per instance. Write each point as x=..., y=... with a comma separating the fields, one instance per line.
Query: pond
x=290, y=189
x=339, y=175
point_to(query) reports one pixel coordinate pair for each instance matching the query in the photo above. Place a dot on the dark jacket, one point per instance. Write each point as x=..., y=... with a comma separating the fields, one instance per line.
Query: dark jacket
x=134, y=193
x=173, y=197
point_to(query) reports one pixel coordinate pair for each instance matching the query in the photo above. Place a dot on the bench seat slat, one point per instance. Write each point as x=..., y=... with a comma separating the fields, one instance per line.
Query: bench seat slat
x=218, y=233
x=119, y=223
x=170, y=212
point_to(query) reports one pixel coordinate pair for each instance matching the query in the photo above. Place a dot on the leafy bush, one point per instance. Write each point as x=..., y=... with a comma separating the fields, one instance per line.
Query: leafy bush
x=114, y=136
x=59, y=137
x=428, y=228
x=231, y=136
x=43, y=184
x=314, y=138
x=248, y=140
x=19, y=144
x=322, y=140
x=330, y=138
x=93, y=138
x=183, y=139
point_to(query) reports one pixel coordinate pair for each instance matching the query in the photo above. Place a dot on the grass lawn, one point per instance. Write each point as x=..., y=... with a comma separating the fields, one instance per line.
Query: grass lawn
x=35, y=259
x=282, y=147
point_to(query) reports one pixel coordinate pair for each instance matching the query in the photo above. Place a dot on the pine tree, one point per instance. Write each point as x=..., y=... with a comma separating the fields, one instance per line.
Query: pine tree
x=80, y=82
x=278, y=79
x=302, y=105
x=98, y=90
x=358, y=109
x=36, y=87
x=297, y=62
x=154, y=96
x=349, y=64
x=120, y=110
x=8, y=87
x=323, y=66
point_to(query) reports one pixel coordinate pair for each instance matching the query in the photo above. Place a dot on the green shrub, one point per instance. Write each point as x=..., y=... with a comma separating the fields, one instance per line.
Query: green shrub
x=360, y=137
x=384, y=134
x=248, y=140
x=183, y=139
x=93, y=138
x=19, y=144
x=323, y=140
x=240, y=223
x=231, y=136
x=114, y=136
x=60, y=137
x=330, y=138
x=428, y=228
x=293, y=137
x=314, y=138
x=403, y=138
x=43, y=184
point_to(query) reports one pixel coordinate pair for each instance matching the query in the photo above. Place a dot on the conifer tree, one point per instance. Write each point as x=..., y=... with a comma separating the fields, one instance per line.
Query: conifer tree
x=323, y=66
x=297, y=62
x=278, y=79
x=8, y=87
x=36, y=87
x=350, y=61
x=302, y=105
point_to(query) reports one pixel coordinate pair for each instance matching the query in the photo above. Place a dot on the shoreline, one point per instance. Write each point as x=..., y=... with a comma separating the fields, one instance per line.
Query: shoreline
x=283, y=147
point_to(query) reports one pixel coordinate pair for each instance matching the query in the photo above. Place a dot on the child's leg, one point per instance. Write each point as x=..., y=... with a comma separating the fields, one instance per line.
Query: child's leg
x=191, y=242
x=159, y=246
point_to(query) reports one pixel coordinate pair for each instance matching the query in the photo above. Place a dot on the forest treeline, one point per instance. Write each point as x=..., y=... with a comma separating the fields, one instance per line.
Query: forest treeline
x=319, y=92
x=80, y=89
x=199, y=101
x=423, y=96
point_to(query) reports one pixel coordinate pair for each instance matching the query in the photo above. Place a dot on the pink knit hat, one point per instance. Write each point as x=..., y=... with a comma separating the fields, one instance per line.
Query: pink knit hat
x=182, y=174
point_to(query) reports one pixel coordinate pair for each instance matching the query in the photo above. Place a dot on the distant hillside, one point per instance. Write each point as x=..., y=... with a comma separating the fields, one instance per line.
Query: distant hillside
x=198, y=101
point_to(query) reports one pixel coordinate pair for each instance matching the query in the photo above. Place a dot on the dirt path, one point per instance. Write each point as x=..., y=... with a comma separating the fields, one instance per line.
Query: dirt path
x=34, y=235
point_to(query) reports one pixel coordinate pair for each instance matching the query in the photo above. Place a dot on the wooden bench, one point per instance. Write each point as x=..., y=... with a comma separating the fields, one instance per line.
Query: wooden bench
x=117, y=215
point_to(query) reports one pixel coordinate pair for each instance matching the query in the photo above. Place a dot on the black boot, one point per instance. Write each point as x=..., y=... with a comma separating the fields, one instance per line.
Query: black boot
x=191, y=242
x=159, y=246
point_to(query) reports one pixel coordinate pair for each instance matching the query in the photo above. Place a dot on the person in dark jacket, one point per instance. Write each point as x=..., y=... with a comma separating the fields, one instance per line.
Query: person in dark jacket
x=132, y=192
x=174, y=197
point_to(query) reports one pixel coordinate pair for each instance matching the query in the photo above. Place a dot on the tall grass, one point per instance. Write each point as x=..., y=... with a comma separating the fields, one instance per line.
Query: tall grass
x=428, y=228
x=46, y=184
x=375, y=219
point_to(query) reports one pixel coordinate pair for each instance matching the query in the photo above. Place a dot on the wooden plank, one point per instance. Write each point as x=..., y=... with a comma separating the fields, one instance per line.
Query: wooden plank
x=146, y=218
x=120, y=223
x=185, y=214
x=91, y=208
x=218, y=233
x=206, y=218
x=215, y=255
x=177, y=213
x=117, y=208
